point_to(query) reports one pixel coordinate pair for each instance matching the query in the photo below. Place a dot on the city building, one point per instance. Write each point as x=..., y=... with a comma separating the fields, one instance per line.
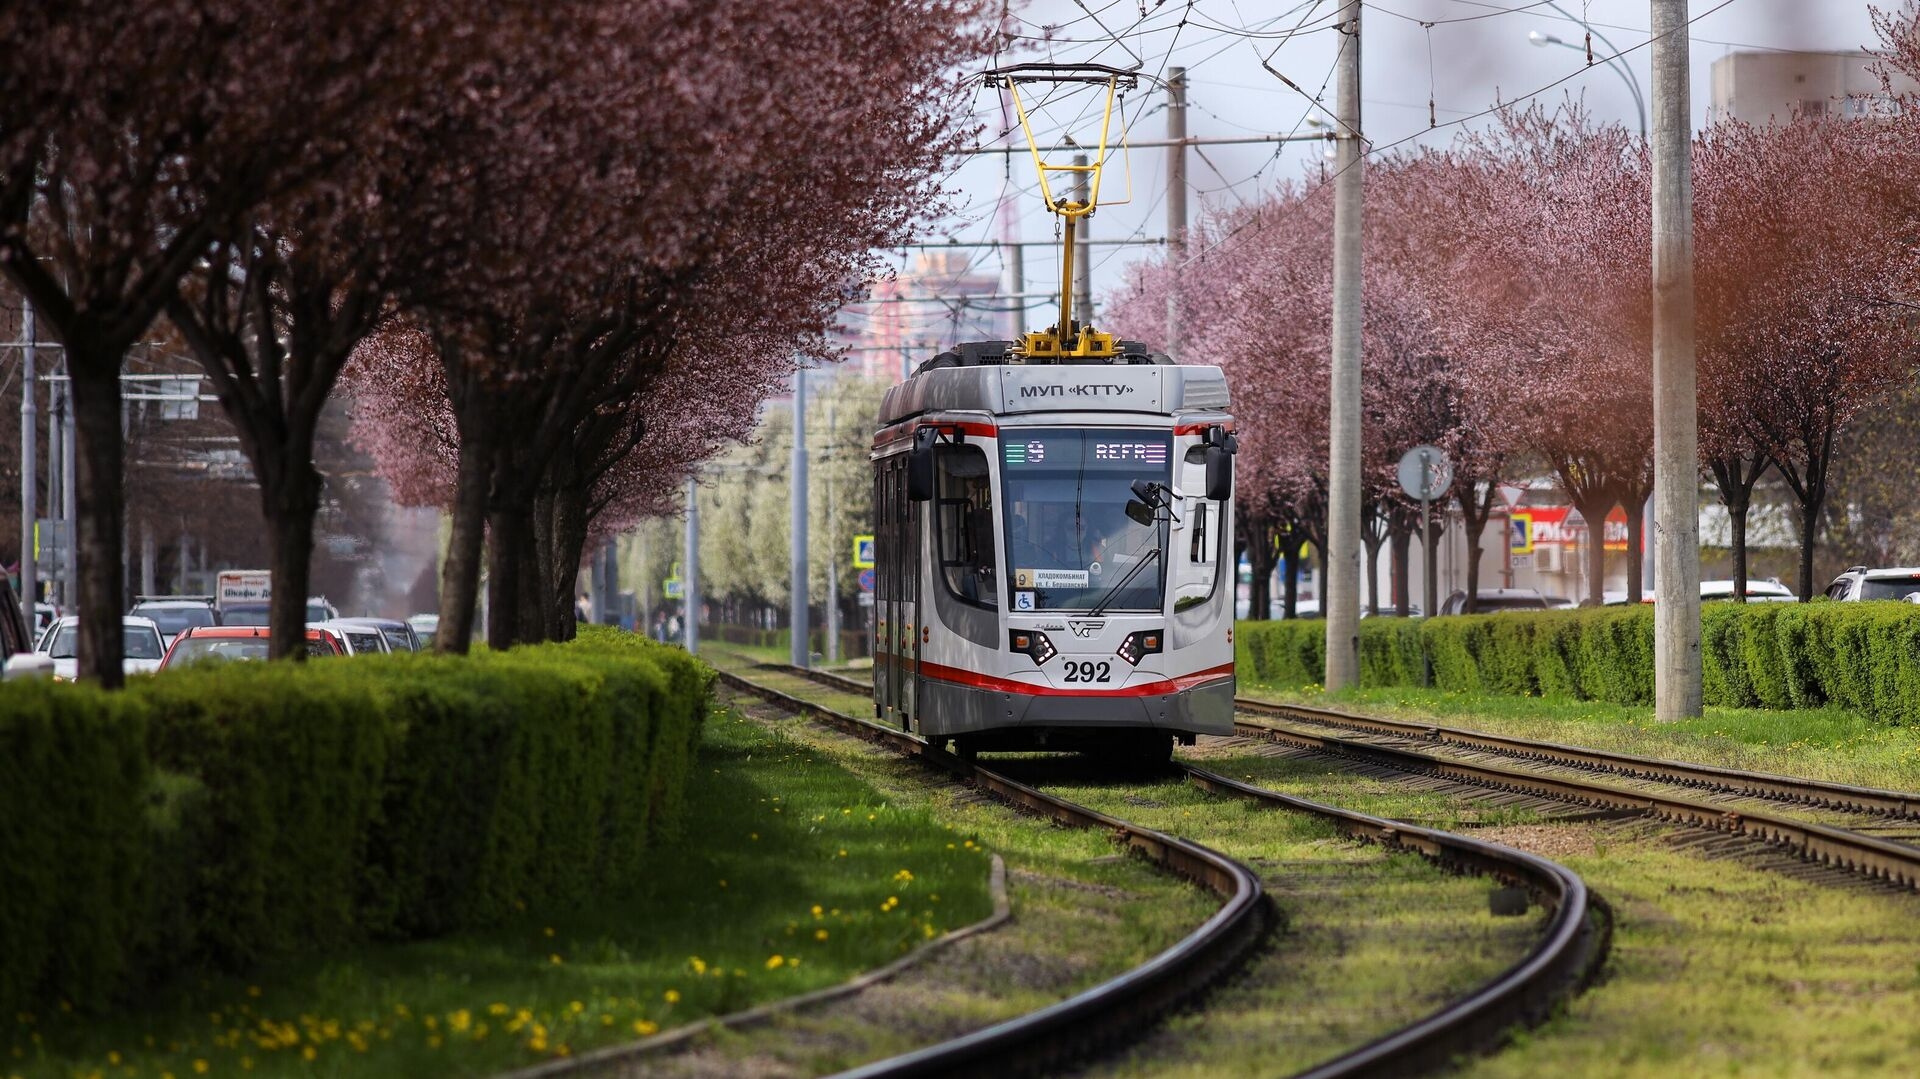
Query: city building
x=941, y=298
x=1754, y=86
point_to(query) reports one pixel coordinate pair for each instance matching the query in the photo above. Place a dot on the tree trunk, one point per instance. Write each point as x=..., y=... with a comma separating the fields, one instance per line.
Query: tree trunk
x=513, y=587
x=460, y=571
x=1476, y=508
x=1290, y=589
x=1372, y=542
x=1595, y=512
x=1809, y=527
x=1260, y=563
x=1636, y=535
x=101, y=508
x=290, y=499
x=563, y=527
x=1399, y=544
x=1735, y=477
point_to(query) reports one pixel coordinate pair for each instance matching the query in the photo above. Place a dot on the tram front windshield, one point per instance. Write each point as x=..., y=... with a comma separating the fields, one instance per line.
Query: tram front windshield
x=1070, y=542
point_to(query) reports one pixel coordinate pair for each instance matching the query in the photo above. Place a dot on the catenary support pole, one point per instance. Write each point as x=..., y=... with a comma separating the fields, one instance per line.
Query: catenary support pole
x=1341, y=599
x=29, y=435
x=798, y=646
x=690, y=577
x=1015, y=263
x=69, y=504
x=1676, y=464
x=1176, y=202
x=1083, y=254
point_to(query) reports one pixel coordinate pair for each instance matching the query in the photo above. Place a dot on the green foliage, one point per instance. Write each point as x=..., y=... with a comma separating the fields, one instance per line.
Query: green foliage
x=220, y=815
x=1860, y=656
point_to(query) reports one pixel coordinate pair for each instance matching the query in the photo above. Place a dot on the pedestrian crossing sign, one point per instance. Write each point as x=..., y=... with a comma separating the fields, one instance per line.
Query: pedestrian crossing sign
x=863, y=552
x=1520, y=533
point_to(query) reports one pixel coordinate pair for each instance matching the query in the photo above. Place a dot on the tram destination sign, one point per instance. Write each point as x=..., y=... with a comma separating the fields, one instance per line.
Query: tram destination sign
x=1073, y=387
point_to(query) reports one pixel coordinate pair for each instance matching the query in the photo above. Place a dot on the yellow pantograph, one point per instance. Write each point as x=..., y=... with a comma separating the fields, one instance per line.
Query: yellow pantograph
x=1068, y=338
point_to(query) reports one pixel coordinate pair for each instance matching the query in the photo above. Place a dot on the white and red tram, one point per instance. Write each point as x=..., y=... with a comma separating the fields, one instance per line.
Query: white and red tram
x=1055, y=552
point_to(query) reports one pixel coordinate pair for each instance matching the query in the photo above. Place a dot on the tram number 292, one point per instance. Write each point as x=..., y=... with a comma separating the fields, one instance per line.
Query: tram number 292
x=1089, y=671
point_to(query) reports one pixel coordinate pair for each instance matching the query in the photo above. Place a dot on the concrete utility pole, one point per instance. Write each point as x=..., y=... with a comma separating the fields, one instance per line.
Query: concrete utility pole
x=1176, y=202
x=29, y=422
x=834, y=550
x=1016, y=261
x=69, y=503
x=1083, y=254
x=690, y=577
x=1676, y=464
x=1341, y=601
x=798, y=647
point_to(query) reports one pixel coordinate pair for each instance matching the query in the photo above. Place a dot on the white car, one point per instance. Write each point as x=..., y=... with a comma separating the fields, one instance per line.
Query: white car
x=1758, y=591
x=424, y=627
x=142, y=653
x=1861, y=583
x=357, y=639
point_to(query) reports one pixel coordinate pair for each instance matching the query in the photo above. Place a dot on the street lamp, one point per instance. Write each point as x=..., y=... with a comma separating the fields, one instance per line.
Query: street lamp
x=1619, y=66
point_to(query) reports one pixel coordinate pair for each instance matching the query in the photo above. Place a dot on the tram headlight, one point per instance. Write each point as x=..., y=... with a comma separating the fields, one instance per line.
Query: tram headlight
x=1139, y=645
x=1031, y=643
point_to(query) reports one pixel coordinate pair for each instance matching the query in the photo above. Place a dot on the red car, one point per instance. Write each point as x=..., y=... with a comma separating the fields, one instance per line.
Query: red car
x=196, y=643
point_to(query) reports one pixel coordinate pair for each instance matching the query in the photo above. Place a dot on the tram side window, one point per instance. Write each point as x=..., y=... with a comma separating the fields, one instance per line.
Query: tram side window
x=964, y=496
x=1194, y=576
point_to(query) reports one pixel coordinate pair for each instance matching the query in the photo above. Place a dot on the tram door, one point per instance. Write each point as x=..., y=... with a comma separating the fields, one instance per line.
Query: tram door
x=897, y=592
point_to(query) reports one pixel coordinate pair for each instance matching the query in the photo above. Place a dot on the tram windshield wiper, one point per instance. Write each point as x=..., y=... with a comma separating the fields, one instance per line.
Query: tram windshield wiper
x=1101, y=607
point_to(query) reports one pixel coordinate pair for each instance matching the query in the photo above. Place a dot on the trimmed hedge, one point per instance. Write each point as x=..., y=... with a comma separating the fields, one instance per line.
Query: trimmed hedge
x=1862, y=656
x=218, y=816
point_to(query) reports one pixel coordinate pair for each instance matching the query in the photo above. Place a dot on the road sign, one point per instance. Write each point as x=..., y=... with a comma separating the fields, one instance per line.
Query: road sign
x=49, y=538
x=673, y=588
x=1520, y=534
x=866, y=580
x=1425, y=472
x=863, y=552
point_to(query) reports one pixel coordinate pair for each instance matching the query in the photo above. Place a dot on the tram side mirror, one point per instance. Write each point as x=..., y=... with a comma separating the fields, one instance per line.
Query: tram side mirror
x=920, y=465
x=1220, y=452
x=1140, y=512
x=1219, y=474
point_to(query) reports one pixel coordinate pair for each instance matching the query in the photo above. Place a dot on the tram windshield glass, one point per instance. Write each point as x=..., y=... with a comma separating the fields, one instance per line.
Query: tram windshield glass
x=1069, y=540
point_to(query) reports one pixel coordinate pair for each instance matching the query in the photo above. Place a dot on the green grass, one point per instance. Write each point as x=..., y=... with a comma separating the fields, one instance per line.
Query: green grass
x=1828, y=743
x=795, y=874
x=1717, y=968
x=1374, y=939
x=1083, y=913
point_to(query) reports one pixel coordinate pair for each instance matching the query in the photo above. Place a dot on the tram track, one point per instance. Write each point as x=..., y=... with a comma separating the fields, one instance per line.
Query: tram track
x=1568, y=953
x=1749, y=804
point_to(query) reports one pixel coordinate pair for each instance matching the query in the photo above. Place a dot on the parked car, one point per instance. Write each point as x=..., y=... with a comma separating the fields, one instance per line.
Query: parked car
x=16, y=641
x=1494, y=600
x=196, y=643
x=175, y=613
x=141, y=647
x=1861, y=583
x=399, y=635
x=257, y=614
x=355, y=640
x=424, y=627
x=1767, y=591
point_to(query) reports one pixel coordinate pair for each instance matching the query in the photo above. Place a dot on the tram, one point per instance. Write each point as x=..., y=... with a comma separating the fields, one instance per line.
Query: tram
x=1055, y=551
x=1054, y=526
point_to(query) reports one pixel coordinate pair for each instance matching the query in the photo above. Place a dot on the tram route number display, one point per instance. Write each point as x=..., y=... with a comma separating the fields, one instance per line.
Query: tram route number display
x=1088, y=671
x=1033, y=451
x=1050, y=578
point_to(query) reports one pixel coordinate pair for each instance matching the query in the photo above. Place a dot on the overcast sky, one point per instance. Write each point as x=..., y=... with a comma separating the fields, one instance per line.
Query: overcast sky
x=1476, y=52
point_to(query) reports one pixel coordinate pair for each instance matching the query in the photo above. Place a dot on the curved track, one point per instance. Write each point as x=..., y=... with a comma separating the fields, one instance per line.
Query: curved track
x=1567, y=954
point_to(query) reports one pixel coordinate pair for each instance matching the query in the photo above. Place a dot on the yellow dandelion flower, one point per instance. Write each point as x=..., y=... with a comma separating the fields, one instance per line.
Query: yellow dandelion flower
x=843, y=852
x=819, y=934
x=548, y=931
x=606, y=1020
x=308, y=1052
x=555, y=960
x=497, y=1009
x=753, y=835
x=113, y=1056
x=698, y=965
x=253, y=991
x=246, y=1064
x=644, y=1028
x=775, y=962
x=672, y=995
x=460, y=1020
x=816, y=910
x=434, y=1041
x=574, y=1007
x=359, y=1043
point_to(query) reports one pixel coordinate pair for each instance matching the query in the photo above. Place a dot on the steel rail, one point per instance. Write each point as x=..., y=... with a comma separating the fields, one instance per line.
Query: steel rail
x=1063, y=1031
x=1869, y=855
x=1815, y=792
x=1565, y=958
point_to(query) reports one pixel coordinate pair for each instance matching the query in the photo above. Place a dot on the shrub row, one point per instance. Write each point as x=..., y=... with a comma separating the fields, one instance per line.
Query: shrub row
x=214, y=817
x=1863, y=656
